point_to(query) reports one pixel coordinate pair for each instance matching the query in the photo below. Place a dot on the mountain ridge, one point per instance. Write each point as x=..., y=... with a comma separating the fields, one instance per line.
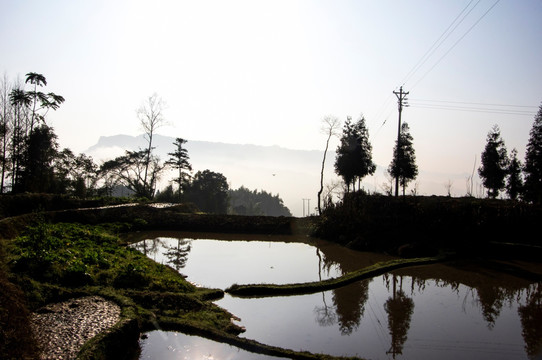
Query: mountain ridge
x=292, y=174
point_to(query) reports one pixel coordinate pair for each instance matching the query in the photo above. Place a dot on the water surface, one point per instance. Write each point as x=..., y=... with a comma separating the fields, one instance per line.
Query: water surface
x=170, y=345
x=464, y=310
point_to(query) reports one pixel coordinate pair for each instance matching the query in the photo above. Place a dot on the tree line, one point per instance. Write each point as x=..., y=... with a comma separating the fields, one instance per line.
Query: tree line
x=498, y=171
x=354, y=158
x=31, y=159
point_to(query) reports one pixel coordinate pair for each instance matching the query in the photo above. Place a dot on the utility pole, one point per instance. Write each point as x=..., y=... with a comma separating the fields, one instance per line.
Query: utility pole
x=308, y=206
x=401, y=97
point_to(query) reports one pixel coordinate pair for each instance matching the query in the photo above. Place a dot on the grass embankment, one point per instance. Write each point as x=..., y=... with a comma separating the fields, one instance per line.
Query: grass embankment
x=260, y=290
x=13, y=205
x=144, y=217
x=54, y=262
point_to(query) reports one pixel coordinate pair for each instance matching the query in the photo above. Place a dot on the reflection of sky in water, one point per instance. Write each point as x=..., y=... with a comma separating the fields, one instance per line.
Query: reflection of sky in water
x=419, y=317
x=445, y=323
x=220, y=263
x=168, y=345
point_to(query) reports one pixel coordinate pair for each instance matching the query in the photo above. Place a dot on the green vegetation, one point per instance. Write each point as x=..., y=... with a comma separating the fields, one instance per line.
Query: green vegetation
x=86, y=258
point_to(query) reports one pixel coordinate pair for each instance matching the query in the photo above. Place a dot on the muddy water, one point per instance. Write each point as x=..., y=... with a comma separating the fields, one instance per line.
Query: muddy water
x=440, y=311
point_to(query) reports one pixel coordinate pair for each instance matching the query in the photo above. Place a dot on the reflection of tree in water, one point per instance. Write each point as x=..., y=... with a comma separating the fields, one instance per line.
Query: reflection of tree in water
x=148, y=247
x=491, y=298
x=350, y=305
x=491, y=294
x=348, y=302
x=325, y=315
x=399, y=308
x=531, y=321
x=178, y=253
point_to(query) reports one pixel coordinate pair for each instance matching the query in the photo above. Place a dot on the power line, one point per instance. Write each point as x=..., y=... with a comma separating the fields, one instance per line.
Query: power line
x=457, y=42
x=472, y=109
x=443, y=37
x=494, y=108
x=379, y=114
x=473, y=103
x=434, y=47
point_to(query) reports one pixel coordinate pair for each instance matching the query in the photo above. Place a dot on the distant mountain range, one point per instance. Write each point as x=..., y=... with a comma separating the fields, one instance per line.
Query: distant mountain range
x=293, y=174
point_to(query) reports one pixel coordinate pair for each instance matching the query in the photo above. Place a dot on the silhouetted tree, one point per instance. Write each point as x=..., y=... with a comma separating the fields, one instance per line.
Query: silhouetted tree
x=354, y=154
x=41, y=101
x=514, y=184
x=75, y=175
x=179, y=160
x=533, y=161
x=329, y=128
x=5, y=128
x=140, y=170
x=246, y=202
x=209, y=191
x=134, y=171
x=20, y=102
x=494, y=163
x=166, y=195
x=403, y=164
x=29, y=108
x=37, y=173
x=151, y=118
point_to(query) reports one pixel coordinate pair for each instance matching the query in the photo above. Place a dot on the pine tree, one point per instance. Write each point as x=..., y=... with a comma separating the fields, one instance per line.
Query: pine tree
x=364, y=162
x=179, y=160
x=494, y=163
x=514, y=184
x=354, y=154
x=533, y=161
x=403, y=164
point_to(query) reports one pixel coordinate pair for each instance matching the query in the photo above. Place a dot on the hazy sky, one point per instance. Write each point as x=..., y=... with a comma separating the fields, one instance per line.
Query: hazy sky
x=266, y=72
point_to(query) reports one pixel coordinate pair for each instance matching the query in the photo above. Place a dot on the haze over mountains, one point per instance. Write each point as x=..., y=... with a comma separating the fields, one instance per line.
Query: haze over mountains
x=293, y=174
